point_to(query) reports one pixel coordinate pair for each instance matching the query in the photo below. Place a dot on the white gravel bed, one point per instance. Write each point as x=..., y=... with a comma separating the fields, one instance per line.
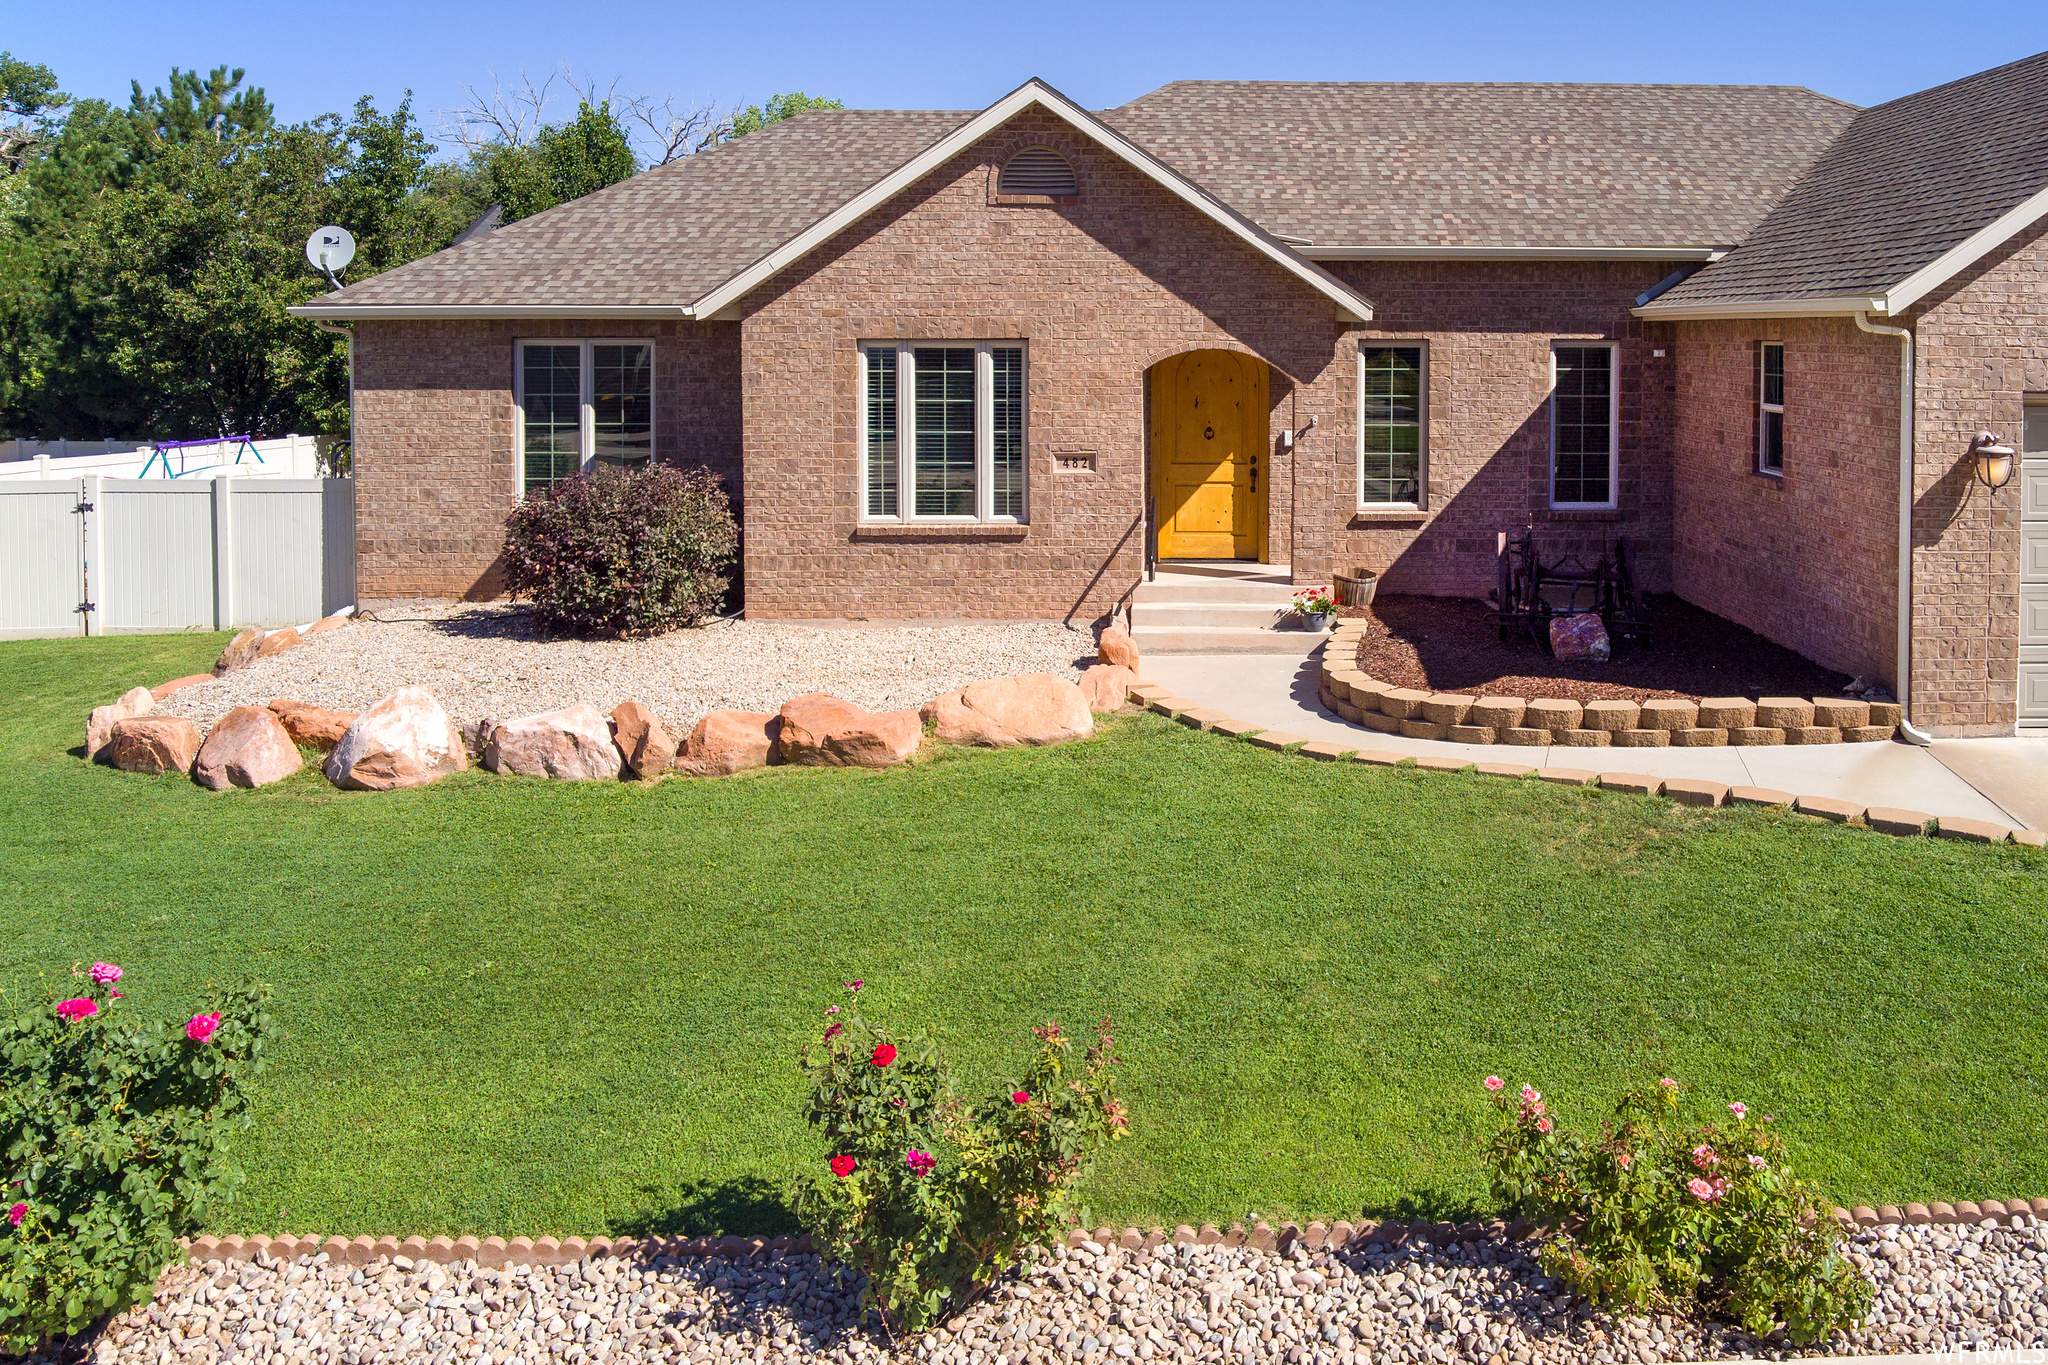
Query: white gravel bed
x=489, y=661
x=1488, y=1304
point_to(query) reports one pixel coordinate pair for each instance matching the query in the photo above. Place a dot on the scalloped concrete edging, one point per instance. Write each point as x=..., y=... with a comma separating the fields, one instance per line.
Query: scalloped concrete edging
x=1680, y=790
x=1261, y=1236
x=1714, y=722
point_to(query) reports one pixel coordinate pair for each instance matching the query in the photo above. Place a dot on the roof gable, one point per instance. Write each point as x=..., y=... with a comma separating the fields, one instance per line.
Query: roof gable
x=1912, y=193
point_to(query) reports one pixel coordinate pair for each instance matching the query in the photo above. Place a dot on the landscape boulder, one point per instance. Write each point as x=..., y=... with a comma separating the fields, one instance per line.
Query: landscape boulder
x=311, y=725
x=405, y=740
x=1001, y=713
x=1107, y=686
x=727, y=742
x=248, y=748
x=821, y=731
x=162, y=690
x=1113, y=646
x=153, y=744
x=327, y=623
x=642, y=740
x=573, y=744
x=99, y=726
x=276, y=642
x=240, y=653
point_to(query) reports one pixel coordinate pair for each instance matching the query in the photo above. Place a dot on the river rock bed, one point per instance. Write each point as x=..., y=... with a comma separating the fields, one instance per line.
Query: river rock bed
x=1939, y=1288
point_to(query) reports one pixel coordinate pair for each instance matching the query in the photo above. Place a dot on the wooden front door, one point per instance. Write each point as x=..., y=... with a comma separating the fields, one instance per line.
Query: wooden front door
x=1209, y=456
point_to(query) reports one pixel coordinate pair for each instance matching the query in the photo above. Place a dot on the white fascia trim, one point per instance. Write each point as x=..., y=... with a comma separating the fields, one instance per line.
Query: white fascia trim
x=370, y=312
x=1350, y=306
x=1966, y=253
x=1513, y=253
x=1768, y=308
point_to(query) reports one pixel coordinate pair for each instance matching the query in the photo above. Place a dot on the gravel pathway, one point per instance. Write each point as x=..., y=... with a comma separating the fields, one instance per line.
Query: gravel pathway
x=489, y=661
x=1941, y=1288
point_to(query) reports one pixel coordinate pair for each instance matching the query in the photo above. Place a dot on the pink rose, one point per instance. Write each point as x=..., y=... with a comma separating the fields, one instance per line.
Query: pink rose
x=1668, y=1083
x=17, y=1213
x=831, y=1009
x=1020, y=1097
x=1758, y=1163
x=920, y=1163
x=1530, y=1094
x=1701, y=1190
x=1623, y=1160
x=1703, y=1156
x=1738, y=1109
x=202, y=1027
x=1543, y=1125
x=1494, y=1083
x=74, y=1010
x=105, y=973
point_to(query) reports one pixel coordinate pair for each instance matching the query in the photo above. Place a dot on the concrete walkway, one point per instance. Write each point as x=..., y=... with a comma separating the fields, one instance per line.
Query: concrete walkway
x=2004, y=781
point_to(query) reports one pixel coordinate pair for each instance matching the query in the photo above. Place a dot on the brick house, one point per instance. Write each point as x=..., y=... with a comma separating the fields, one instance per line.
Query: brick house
x=991, y=364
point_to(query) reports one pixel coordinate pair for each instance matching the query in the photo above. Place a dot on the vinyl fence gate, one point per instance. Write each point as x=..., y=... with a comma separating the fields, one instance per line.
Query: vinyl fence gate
x=99, y=556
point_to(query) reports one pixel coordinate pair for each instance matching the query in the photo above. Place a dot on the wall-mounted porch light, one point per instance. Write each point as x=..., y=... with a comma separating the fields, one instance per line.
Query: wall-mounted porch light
x=1994, y=460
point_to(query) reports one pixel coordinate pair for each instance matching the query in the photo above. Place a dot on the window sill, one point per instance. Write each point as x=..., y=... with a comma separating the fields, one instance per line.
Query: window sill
x=1772, y=478
x=1389, y=516
x=1585, y=514
x=941, y=530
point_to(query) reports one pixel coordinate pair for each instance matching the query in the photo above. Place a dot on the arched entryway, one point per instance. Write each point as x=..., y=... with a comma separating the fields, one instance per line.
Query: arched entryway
x=1210, y=461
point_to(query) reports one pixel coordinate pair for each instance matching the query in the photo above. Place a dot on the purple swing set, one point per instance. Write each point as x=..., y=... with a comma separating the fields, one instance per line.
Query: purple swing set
x=161, y=450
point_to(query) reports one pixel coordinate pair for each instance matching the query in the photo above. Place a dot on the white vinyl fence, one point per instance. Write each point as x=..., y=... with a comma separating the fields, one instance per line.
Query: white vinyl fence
x=279, y=457
x=101, y=556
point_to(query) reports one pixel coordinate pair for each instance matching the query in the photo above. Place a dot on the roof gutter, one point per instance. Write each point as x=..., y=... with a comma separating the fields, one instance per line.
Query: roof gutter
x=1761, y=308
x=376, y=312
x=1904, y=645
x=1508, y=253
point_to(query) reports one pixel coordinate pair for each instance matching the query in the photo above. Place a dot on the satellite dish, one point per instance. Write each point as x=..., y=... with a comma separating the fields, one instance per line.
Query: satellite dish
x=330, y=249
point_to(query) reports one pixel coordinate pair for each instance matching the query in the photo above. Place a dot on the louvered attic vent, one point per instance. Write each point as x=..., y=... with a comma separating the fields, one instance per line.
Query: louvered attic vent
x=1038, y=170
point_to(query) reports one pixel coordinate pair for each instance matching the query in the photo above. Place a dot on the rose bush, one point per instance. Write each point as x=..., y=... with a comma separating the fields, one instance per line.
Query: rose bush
x=1655, y=1214
x=623, y=552
x=930, y=1196
x=114, y=1142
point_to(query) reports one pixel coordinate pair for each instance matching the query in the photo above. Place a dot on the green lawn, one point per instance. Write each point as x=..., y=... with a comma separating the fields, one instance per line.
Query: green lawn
x=523, y=1007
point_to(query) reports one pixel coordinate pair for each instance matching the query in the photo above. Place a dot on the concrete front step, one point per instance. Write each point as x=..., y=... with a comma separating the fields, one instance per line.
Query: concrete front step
x=1175, y=615
x=1152, y=640
x=1191, y=589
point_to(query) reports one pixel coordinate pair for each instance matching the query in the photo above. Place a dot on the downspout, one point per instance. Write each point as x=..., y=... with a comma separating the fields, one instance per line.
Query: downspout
x=1903, y=668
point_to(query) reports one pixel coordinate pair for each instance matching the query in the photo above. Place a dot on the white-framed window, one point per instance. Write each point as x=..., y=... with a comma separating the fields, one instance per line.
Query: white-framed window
x=1392, y=424
x=1770, y=408
x=942, y=431
x=582, y=402
x=1585, y=424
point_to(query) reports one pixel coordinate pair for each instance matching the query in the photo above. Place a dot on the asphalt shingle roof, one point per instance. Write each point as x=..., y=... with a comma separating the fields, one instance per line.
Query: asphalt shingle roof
x=1337, y=164
x=1489, y=165
x=1909, y=180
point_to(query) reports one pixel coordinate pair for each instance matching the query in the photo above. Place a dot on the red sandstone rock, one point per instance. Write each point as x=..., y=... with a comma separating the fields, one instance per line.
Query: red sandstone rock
x=327, y=623
x=153, y=744
x=99, y=726
x=1115, y=647
x=310, y=725
x=727, y=742
x=162, y=690
x=820, y=730
x=1001, y=713
x=248, y=748
x=1106, y=685
x=405, y=740
x=275, y=643
x=643, y=740
x=573, y=744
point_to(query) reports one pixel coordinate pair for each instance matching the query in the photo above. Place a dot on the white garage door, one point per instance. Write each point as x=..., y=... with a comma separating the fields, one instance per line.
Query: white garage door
x=2034, y=564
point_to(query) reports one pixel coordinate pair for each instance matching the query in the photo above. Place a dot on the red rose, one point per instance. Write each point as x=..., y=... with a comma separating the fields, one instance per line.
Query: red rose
x=885, y=1053
x=842, y=1166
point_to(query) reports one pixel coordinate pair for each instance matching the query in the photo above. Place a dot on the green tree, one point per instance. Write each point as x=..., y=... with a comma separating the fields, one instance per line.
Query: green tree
x=564, y=161
x=196, y=105
x=755, y=117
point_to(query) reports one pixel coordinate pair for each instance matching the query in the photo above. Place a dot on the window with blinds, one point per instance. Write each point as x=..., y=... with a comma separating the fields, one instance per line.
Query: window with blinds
x=1390, y=426
x=1039, y=171
x=963, y=453
x=1582, y=426
x=1770, y=408
x=582, y=403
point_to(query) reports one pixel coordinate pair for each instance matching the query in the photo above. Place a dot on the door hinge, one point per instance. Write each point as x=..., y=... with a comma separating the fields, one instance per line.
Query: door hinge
x=83, y=507
x=85, y=607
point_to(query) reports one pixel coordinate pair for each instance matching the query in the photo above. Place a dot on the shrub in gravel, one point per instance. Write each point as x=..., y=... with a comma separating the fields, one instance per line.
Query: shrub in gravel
x=1658, y=1214
x=623, y=552
x=113, y=1144
x=930, y=1196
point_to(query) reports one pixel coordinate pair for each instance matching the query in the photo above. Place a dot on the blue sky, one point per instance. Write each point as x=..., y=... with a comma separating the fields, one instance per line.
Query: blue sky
x=318, y=55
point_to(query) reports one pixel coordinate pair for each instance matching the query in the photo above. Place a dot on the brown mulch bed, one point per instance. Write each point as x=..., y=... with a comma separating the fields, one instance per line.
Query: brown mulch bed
x=1451, y=644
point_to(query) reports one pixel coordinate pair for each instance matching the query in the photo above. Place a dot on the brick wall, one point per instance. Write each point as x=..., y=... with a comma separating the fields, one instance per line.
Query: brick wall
x=1100, y=290
x=1983, y=343
x=1487, y=328
x=1810, y=559
x=435, y=430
